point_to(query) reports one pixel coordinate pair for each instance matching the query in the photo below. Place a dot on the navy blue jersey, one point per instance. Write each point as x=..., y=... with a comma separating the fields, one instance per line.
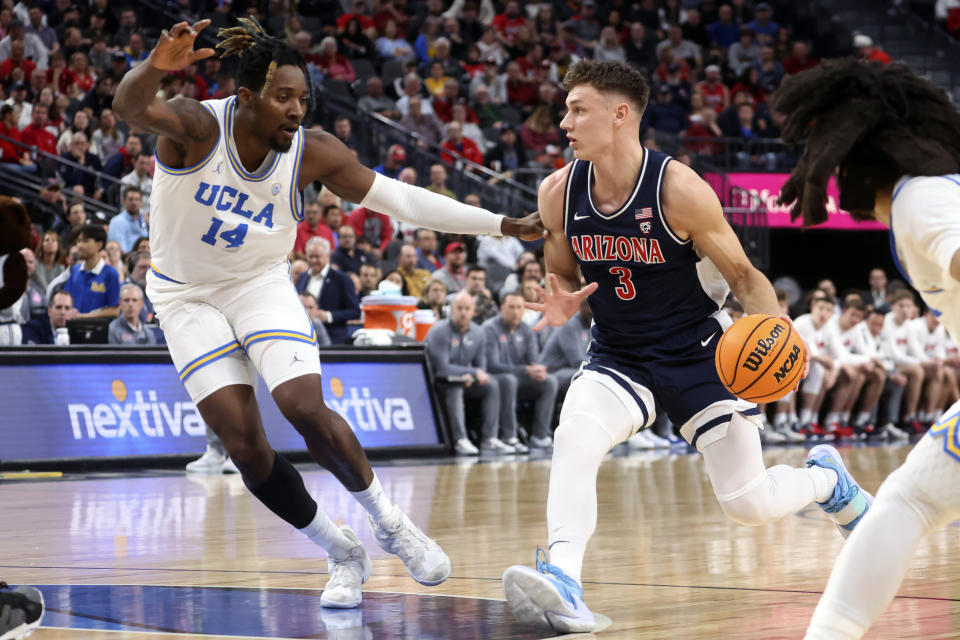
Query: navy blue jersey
x=652, y=284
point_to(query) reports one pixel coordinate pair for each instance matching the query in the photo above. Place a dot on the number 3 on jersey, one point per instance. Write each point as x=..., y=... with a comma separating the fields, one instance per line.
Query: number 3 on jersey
x=233, y=237
x=626, y=290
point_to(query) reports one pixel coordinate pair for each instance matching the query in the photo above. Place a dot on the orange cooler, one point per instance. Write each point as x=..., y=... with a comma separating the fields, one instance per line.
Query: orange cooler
x=394, y=313
x=423, y=320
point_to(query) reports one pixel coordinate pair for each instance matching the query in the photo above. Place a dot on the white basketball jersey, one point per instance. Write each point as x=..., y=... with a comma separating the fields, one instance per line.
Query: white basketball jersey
x=217, y=221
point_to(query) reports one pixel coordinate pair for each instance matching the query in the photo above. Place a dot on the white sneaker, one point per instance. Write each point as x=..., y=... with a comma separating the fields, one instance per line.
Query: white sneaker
x=342, y=590
x=463, y=447
x=789, y=434
x=894, y=432
x=639, y=440
x=425, y=560
x=211, y=462
x=770, y=435
x=548, y=598
x=657, y=441
x=541, y=443
x=496, y=446
x=518, y=447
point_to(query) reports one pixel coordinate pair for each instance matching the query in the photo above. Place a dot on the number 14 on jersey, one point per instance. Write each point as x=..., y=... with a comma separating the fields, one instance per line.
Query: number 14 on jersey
x=233, y=237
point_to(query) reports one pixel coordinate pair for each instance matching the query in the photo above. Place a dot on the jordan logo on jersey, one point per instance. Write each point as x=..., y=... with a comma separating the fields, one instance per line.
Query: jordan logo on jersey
x=607, y=248
x=230, y=199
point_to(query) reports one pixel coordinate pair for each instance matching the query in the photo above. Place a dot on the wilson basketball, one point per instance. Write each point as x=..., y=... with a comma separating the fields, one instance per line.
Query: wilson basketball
x=760, y=358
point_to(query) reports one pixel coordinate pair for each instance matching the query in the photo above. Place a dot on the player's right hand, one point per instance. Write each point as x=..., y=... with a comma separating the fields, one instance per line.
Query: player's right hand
x=558, y=305
x=174, y=50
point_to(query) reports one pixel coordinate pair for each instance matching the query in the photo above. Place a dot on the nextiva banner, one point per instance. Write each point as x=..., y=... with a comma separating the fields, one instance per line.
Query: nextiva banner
x=83, y=410
x=767, y=187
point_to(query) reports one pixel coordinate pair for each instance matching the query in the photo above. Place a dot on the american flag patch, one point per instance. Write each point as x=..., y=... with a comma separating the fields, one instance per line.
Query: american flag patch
x=643, y=214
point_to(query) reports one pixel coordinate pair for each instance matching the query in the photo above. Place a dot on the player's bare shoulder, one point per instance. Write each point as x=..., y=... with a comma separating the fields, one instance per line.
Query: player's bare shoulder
x=550, y=199
x=686, y=198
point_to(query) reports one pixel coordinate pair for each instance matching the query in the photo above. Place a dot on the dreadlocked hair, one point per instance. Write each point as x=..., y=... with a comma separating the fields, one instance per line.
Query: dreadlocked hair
x=259, y=55
x=874, y=123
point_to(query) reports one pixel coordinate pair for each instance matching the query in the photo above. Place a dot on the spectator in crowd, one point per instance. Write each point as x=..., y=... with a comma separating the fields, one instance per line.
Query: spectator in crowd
x=703, y=127
x=498, y=251
x=487, y=112
x=694, y=29
x=716, y=95
x=349, y=257
x=393, y=163
x=297, y=267
x=509, y=22
x=865, y=50
x=358, y=13
x=770, y=71
x=485, y=305
x=332, y=63
x=79, y=123
x=138, y=264
x=396, y=278
x=539, y=130
x=127, y=329
x=415, y=277
x=800, y=60
x=108, y=138
x=463, y=114
x=101, y=97
x=48, y=209
x=521, y=91
x=333, y=289
x=438, y=181
x=743, y=53
x=312, y=226
x=666, y=115
x=490, y=78
x=375, y=226
x=512, y=358
x=456, y=145
x=426, y=125
x=390, y=46
x=135, y=51
x=343, y=130
x=376, y=102
x=313, y=312
x=43, y=328
x=76, y=218
x=79, y=153
x=682, y=49
x=566, y=348
x=725, y=31
x=585, y=26
x=113, y=254
x=427, y=257
x=763, y=26
x=369, y=279
x=353, y=41
x=17, y=68
x=457, y=350
x=92, y=283
x=141, y=177
x=49, y=262
x=12, y=155
x=609, y=48
x=34, y=49
x=750, y=152
x=33, y=302
x=454, y=274
x=506, y=156
x=122, y=162
x=640, y=50
x=434, y=297
x=128, y=225
x=47, y=34
x=411, y=87
x=876, y=295
x=37, y=133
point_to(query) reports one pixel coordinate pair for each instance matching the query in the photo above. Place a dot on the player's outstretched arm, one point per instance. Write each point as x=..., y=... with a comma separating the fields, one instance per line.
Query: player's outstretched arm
x=183, y=121
x=328, y=160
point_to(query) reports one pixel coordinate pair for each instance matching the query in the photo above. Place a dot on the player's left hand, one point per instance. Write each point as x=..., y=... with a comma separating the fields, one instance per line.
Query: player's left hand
x=529, y=227
x=806, y=352
x=558, y=305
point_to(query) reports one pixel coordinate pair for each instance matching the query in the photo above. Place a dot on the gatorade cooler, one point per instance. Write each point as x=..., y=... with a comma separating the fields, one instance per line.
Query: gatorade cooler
x=394, y=313
x=423, y=319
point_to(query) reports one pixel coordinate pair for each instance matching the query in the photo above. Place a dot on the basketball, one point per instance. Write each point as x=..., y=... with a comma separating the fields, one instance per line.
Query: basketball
x=760, y=358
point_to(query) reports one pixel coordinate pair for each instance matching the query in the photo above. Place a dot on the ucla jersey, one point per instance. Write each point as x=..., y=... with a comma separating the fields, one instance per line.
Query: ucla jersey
x=217, y=221
x=652, y=284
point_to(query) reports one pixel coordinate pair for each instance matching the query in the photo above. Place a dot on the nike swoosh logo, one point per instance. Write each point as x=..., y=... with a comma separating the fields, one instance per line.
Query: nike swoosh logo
x=704, y=343
x=576, y=217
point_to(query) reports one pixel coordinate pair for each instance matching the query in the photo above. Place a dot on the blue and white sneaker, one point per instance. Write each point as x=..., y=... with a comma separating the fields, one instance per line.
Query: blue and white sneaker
x=547, y=597
x=849, y=501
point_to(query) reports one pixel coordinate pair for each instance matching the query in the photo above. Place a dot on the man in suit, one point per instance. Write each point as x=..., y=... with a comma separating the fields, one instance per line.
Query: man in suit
x=43, y=329
x=333, y=289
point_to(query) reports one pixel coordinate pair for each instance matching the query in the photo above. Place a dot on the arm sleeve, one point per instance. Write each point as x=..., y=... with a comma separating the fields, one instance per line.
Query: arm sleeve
x=423, y=208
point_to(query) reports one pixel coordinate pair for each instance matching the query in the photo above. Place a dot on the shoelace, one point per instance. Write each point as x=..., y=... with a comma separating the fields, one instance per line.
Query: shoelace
x=420, y=543
x=566, y=585
x=346, y=571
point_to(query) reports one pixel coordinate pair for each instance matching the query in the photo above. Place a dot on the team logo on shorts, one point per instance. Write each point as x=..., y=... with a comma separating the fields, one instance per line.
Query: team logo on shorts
x=275, y=189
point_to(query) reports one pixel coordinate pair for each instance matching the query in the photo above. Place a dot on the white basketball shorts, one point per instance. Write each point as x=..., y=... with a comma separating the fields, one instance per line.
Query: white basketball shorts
x=223, y=333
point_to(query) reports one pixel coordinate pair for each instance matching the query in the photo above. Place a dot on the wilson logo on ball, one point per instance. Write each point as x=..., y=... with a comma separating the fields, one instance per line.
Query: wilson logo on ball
x=764, y=345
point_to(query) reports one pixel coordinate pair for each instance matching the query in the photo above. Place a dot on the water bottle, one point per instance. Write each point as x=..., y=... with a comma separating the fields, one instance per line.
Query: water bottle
x=63, y=337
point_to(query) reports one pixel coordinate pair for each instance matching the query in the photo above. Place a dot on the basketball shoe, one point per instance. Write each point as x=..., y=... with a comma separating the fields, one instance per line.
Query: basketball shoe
x=342, y=590
x=425, y=560
x=849, y=501
x=547, y=597
x=20, y=611
x=212, y=462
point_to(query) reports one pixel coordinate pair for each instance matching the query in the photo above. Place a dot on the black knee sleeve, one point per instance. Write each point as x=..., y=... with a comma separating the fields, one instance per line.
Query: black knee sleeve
x=284, y=494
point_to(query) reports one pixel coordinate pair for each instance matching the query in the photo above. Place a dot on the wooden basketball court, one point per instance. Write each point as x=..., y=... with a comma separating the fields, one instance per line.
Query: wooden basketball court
x=163, y=554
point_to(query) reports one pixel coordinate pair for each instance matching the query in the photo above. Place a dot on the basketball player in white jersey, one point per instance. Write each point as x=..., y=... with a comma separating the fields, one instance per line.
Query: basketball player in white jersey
x=895, y=138
x=628, y=218
x=224, y=211
x=929, y=338
x=846, y=345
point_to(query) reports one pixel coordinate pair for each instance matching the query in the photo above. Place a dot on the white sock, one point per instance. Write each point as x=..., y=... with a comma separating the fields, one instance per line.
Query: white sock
x=833, y=417
x=824, y=482
x=780, y=419
x=910, y=418
x=863, y=417
x=323, y=532
x=375, y=501
x=845, y=417
x=806, y=416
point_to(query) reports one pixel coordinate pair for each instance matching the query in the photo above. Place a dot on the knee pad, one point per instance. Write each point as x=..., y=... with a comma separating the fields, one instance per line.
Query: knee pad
x=750, y=505
x=579, y=434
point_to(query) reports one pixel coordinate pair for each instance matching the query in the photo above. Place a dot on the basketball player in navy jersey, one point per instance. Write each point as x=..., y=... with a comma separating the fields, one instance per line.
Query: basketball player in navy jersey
x=650, y=238
x=224, y=212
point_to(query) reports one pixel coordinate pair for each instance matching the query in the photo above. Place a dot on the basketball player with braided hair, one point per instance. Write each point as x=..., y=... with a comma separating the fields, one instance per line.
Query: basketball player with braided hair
x=893, y=140
x=224, y=213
